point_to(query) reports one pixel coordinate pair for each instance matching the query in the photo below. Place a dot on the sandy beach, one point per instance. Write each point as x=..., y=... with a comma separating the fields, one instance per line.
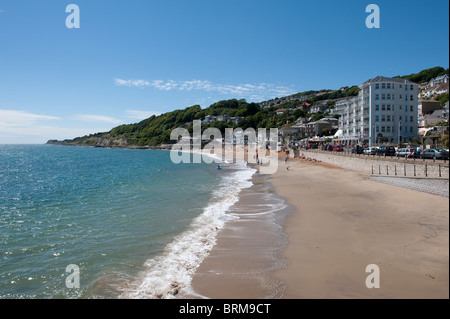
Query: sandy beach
x=343, y=222
x=340, y=222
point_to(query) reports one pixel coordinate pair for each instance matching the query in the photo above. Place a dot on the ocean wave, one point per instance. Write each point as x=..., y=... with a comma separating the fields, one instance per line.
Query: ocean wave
x=170, y=274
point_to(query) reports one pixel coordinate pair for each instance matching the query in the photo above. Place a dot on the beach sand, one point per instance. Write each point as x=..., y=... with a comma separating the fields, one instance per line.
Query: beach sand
x=343, y=222
x=339, y=223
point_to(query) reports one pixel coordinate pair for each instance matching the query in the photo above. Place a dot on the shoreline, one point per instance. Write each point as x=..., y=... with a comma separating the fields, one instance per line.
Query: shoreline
x=248, y=248
x=334, y=224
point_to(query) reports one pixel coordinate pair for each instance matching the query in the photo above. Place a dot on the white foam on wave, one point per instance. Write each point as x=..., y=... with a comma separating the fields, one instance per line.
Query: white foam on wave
x=171, y=273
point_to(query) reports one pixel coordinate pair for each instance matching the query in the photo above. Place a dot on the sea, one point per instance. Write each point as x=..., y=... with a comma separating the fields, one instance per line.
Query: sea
x=80, y=222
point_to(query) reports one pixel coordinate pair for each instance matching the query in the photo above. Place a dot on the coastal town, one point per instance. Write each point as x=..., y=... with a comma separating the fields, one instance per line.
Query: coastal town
x=386, y=111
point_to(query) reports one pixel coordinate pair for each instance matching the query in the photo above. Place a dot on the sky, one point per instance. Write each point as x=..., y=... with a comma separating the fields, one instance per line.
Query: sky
x=132, y=59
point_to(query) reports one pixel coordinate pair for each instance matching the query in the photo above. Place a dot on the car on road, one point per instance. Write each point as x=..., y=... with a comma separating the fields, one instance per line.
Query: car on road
x=386, y=150
x=338, y=148
x=435, y=153
x=370, y=150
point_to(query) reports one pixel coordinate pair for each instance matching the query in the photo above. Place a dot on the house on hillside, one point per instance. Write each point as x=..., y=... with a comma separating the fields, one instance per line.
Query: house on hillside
x=439, y=80
x=209, y=119
x=442, y=88
x=290, y=131
x=280, y=111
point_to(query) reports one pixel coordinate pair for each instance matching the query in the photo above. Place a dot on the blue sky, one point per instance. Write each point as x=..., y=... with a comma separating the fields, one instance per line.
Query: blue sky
x=131, y=59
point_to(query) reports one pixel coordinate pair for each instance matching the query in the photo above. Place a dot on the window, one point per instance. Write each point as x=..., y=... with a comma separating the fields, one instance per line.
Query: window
x=411, y=108
x=401, y=96
x=400, y=107
x=377, y=86
x=377, y=96
x=411, y=87
x=400, y=86
x=389, y=85
x=383, y=118
x=383, y=96
x=383, y=107
x=411, y=119
x=388, y=129
x=377, y=118
x=411, y=97
x=377, y=107
x=383, y=129
x=389, y=96
x=383, y=85
x=388, y=118
x=388, y=107
x=411, y=129
x=378, y=129
x=400, y=118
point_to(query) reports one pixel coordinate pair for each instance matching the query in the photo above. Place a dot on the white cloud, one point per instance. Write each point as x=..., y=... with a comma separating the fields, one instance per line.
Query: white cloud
x=131, y=83
x=12, y=118
x=249, y=91
x=25, y=127
x=140, y=115
x=97, y=118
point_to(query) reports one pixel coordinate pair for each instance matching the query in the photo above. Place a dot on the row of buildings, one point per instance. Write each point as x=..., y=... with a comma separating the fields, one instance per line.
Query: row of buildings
x=386, y=110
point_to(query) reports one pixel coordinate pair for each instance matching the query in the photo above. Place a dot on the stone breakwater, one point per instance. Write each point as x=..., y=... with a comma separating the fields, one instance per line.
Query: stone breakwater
x=382, y=166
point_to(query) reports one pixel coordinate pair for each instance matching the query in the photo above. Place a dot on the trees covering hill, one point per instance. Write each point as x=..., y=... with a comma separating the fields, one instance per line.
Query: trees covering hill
x=425, y=75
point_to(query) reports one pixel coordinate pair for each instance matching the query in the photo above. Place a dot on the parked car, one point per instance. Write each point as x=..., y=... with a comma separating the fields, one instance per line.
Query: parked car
x=406, y=152
x=338, y=148
x=386, y=150
x=357, y=150
x=371, y=150
x=435, y=153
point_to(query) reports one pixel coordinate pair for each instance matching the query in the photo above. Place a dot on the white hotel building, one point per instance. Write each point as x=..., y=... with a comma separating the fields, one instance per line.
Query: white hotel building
x=384, y=112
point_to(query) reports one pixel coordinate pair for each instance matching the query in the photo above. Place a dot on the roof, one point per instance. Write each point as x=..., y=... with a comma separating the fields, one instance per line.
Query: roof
x=441, y=77
x=443, y=86
x=380, y=78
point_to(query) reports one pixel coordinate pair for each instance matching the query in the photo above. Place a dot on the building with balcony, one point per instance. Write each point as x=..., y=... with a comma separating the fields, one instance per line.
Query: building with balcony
x=384, y=112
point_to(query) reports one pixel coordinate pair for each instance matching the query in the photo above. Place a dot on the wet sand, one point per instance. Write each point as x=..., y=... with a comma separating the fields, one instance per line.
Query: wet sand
x=248, y=249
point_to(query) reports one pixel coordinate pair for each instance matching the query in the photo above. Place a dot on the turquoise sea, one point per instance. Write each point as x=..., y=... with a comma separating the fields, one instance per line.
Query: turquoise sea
x=134, y=223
